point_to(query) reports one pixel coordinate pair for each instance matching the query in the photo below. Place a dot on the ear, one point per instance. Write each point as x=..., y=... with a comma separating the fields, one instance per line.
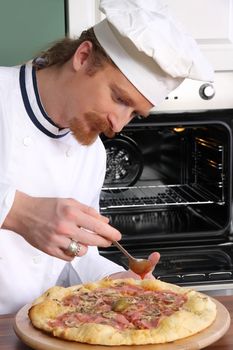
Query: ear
x=81, y=55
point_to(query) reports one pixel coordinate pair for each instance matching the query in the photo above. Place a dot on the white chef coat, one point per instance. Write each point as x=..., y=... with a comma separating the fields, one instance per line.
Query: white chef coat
x=41, y=160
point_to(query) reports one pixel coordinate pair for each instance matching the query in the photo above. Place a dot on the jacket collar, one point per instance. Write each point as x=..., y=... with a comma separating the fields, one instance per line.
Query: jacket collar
x=33, y=105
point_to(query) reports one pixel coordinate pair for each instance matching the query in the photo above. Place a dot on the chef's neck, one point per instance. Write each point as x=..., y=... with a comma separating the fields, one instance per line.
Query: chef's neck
x=50, y=82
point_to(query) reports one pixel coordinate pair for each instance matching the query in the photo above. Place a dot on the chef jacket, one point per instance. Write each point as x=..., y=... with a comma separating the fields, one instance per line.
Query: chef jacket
x=38, y=158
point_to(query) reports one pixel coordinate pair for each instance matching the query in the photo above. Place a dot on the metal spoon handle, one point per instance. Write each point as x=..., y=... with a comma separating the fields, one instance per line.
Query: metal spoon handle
x=119, y=246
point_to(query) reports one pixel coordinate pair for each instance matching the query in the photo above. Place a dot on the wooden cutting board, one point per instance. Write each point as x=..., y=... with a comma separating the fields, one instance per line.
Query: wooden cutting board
x=41, y=341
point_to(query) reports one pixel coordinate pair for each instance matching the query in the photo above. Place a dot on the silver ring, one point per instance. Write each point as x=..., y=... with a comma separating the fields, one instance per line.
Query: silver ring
x=74, y=248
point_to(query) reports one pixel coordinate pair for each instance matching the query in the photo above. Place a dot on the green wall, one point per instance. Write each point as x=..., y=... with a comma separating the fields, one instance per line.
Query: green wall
x=27, y=26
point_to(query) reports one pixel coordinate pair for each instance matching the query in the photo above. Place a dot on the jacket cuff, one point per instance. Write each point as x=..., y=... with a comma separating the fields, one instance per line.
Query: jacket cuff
x=7, y=195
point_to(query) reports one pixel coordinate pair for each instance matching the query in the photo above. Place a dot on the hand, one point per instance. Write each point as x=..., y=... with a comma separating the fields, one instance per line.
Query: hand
x=49, y=224
x=154, y=258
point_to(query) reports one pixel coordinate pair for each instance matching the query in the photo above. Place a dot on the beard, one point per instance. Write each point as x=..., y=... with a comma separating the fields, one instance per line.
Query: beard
x=87, y=129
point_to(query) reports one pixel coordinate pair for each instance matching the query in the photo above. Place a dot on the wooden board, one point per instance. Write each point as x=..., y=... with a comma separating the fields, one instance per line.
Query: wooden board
x=41, y=341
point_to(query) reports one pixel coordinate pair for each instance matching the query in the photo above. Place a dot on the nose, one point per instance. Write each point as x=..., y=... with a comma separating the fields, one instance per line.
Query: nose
x=118, y=121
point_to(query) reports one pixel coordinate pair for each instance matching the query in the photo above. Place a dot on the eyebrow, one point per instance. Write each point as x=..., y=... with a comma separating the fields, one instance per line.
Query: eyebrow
x=128, y=99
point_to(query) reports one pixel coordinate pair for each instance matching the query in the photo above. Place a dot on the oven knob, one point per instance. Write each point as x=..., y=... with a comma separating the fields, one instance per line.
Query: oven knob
x=207, y=91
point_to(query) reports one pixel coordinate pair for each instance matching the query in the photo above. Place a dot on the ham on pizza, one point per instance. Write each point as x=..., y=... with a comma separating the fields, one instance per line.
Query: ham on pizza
x=122, y=312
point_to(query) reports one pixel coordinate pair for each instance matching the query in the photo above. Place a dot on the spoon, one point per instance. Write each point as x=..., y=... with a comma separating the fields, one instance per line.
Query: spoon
x=139, y=266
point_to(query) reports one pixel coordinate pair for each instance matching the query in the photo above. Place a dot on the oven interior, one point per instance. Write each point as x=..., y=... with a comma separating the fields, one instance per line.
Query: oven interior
x=168, y=189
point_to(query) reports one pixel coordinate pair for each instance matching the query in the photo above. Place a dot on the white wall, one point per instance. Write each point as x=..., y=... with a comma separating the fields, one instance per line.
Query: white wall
x=82, y=14
x=209, y=21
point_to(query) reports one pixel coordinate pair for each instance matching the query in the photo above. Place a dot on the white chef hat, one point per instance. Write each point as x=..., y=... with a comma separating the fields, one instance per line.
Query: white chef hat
x=150, y=46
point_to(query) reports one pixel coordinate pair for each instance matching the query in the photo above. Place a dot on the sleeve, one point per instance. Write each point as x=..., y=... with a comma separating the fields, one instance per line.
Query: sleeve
x=7, y=195
x=92, y=266
x=7, y=191
x=100, y=171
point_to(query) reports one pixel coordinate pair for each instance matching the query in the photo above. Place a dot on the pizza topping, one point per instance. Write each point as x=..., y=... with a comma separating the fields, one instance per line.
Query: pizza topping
x=146, y=323
x=74, y=319
x=122, y=312
x=121, y=306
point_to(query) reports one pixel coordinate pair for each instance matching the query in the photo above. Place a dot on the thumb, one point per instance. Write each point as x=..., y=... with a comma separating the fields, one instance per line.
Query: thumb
x=154, y=258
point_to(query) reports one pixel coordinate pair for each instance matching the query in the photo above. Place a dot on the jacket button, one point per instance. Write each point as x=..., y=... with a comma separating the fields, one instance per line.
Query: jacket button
x=69, y=152
x=27, y=141
x=36, y=259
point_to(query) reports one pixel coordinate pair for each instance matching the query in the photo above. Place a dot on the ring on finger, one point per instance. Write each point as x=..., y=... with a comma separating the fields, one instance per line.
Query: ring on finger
x=74, y=248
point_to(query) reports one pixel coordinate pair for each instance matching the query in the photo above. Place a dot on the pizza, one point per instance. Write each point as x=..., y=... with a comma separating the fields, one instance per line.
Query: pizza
x=122, y=312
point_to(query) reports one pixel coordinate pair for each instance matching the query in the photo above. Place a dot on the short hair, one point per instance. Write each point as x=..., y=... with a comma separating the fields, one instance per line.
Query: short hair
x=63, y=50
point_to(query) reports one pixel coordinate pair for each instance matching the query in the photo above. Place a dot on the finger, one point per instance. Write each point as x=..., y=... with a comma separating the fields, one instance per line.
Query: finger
x=60, y=248
x=89, y=238
x=93, y=213
x=58, y=253
x=91, y=223
x=154, y=258
x=95, y=225
x=81, y=248
x=89, y=211
x=68, y=230
x=62, y=255
x=105, y=219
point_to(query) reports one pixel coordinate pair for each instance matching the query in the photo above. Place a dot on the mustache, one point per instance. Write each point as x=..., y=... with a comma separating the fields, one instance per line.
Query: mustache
x=88, y=128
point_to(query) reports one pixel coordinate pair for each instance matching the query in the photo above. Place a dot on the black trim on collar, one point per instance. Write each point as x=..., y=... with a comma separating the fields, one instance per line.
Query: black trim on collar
x=38, y=98
x=29, y=109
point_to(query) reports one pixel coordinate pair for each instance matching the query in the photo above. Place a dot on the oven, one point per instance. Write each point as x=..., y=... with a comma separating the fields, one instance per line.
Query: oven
x=168, y=187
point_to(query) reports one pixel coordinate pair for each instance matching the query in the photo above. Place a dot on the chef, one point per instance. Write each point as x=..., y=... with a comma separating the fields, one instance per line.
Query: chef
x=52, y=162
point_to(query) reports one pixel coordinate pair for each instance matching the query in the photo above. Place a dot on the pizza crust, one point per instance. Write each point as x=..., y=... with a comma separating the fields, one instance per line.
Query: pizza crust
x=197, y=313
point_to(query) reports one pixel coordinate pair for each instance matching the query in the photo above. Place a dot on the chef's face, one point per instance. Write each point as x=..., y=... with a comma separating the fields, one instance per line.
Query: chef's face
x=102, y=102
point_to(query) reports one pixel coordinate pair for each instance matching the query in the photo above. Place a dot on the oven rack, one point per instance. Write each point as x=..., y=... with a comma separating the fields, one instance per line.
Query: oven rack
x=155, y=196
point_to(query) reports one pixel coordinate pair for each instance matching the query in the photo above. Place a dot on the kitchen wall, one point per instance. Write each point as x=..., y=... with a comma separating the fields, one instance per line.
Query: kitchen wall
x=209, y=21
x=26, y=26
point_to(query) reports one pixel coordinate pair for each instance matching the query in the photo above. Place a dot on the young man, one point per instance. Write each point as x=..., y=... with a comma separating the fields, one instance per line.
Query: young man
x=52, y=166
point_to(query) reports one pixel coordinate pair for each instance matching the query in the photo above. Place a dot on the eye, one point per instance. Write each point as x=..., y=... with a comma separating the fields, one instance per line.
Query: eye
x=118, y=98
x=122, y=101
